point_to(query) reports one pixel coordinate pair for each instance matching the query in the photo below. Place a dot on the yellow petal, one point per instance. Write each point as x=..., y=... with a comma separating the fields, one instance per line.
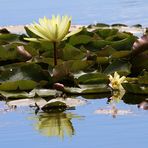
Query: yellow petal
x=73, y=32
x=64, y=27
x=37, y=33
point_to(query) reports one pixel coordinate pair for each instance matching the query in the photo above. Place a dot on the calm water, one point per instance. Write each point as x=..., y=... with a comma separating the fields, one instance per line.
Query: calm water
x=14, y=12
x=75, y=128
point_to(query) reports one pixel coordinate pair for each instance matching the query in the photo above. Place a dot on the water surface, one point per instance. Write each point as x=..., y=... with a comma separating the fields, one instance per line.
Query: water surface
x=75, y=128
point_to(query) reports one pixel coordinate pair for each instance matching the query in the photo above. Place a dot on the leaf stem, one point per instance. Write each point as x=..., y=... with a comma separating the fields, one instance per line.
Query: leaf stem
x=55, y=53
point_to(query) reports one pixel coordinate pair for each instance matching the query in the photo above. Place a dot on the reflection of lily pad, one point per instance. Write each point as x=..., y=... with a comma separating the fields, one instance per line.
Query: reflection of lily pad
x=55, y=124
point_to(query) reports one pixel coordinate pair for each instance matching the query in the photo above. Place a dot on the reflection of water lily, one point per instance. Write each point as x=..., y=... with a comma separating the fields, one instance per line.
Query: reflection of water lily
x=56, y=124
x=117, y=96
x=52, y=30
x=116, y=81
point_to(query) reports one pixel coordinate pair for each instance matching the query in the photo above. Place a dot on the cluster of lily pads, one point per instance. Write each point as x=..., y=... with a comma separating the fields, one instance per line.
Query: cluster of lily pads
x=49, y=61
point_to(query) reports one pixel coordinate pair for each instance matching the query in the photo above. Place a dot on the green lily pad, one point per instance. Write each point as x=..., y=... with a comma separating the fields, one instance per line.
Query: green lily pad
x=87, y=89
x=96, y=45
x=122, y=67
x=16, y=94
x=33, y=93
x=72, y=53
x=106, y=51
x=93, y=78
x=139, y=63
x=9, y=37
x=124, y=44
x=120, y=54
x=18, y=85
x=143, y=79
x=80, y=39
x=68, y=67
x=25, y=77
x=45, y=92
x=136, y=88
x=104, y=33
x=54, y=106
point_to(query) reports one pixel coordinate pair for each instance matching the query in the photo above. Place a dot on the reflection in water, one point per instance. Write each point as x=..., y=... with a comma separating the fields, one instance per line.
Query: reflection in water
x=56, y=124
x=116, y=96
x=112, y=109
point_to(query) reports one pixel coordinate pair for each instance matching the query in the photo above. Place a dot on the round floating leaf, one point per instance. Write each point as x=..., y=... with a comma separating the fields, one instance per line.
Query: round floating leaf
x=120, y=54
x=24, y=71
x=9, y=37
x=106, y=51
x=60, y=104
x=97, y=44
x=54, y=105
x=104, y=33
x=136, y=88
x=71, y=53
x=124, y=44
x=93, y=78
x=45, y=92
x=103, y=60
x=122, y=67
x=87, y=89
x=80, y=39
x=143, y=79
x=16, y=94
x=18, y=85
x=68, y=67
x=139, y=63
x=27, y=102
x=25, y=76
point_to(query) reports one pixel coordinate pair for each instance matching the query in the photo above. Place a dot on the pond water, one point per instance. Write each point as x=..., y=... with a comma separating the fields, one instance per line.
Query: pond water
x=96, y=124
x=130, y=12
x=86, y=126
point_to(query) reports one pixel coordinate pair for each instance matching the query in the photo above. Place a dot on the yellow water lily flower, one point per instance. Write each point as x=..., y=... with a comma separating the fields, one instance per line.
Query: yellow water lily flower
x=55, y=29
x=116, y=81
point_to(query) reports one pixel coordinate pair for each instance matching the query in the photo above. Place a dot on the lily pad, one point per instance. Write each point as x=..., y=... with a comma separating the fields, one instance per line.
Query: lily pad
x=9, y=37
x=93, y=78
x=143, y=79
x=104, y=33
x=25, y=77
x=72, y=53
x=18, y=85
x=122, y=67
x=136, y=88
x=87, y=89
x=80, y=39
x=54, y=105
x=61, y=104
